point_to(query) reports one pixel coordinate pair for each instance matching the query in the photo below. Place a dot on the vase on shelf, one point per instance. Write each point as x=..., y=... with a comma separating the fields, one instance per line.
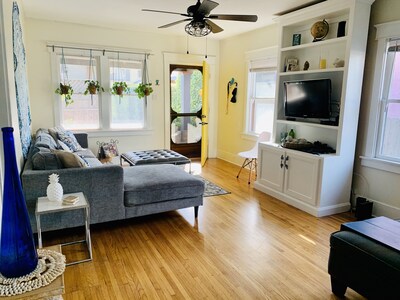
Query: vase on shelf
x=18, y=255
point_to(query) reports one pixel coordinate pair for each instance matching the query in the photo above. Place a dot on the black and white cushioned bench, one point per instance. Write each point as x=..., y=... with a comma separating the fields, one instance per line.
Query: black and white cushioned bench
x=162, y=156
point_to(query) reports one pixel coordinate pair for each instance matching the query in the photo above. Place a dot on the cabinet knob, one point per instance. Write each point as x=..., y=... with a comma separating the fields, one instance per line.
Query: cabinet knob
x=281, y=161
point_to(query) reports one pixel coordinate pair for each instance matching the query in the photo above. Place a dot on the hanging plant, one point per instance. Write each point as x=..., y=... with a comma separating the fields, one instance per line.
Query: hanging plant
x=119, y=88
x=92, y=87
x=66, y=91
x=143, y=90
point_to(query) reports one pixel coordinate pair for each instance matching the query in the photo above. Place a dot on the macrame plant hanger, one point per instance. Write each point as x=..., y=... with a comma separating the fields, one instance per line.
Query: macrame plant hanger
x=64, y=71
x=91, y=70
x=145, y=76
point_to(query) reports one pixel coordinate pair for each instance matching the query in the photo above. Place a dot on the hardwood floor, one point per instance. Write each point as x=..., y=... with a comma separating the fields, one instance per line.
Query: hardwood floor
x=245, y=245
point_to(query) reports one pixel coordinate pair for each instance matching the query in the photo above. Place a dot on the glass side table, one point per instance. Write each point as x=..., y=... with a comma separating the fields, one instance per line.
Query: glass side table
x=45, y=206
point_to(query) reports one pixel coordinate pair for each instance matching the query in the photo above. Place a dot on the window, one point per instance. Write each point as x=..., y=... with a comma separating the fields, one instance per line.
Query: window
x=388, y=146
x=261, y=99
x=127, y=112
x=102, y=111
x=83, y=113
x=382, y=150
x=261, y=83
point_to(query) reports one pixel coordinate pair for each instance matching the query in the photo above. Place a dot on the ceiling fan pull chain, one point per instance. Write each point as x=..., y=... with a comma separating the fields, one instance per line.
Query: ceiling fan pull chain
x=206, y=47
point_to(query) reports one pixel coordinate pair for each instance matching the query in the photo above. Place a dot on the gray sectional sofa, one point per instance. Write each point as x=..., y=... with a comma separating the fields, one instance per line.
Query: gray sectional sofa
x=113, y=192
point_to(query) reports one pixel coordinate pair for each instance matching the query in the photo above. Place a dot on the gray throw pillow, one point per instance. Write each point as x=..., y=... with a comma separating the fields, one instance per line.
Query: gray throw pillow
x=45, y=160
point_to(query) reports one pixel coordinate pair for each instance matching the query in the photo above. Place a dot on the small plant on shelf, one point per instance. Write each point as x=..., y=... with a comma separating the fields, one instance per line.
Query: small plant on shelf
x=92, y=87
x=143, y=90
x=119, y=88
x=66, y=91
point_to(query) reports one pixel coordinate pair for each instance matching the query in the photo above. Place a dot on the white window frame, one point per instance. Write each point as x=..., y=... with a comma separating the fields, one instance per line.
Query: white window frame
x=385, y=32
x=103, y=78
x=266, y=59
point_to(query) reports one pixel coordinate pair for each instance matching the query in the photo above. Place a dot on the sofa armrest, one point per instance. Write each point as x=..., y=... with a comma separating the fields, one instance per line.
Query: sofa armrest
x=102, y=186
x=82, y=139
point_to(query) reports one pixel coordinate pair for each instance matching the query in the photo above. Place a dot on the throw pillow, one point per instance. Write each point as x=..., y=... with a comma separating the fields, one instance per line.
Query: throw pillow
x=69, y=139
x=69, y=160
x=55, y=130
x=63, y=146
x=45, y=160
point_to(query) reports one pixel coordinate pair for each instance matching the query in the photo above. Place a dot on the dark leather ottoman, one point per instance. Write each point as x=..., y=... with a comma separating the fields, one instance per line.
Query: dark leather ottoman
x=365, y=264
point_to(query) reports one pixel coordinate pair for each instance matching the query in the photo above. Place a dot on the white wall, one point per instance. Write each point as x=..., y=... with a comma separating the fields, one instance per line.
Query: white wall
x=379, y=186
x=39, y=72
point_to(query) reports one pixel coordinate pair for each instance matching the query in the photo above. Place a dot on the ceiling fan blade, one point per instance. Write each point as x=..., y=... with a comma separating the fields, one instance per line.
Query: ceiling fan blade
x=175, y=23
x=214, y=27
x=206, y=7
x=165, y=12
x=244, y=18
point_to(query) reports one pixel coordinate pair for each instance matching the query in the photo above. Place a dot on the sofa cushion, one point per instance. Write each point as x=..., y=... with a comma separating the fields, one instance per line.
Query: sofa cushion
x=69, y=160
x=86, y=153
x=69, y=139
x=158, y=183
x=44, y=139
x=44, y=159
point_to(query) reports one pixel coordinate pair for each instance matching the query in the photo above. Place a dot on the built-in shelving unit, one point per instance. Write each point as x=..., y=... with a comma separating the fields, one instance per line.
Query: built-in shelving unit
x=318, y=184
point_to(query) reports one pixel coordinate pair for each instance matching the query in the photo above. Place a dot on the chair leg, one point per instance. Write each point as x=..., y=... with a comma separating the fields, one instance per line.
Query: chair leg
x=255, y=167
x=196, y=212
x=245, y=163
x=251, y=169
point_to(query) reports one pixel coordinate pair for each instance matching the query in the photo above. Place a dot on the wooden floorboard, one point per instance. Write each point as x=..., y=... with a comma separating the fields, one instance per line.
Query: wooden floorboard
x=244, y=245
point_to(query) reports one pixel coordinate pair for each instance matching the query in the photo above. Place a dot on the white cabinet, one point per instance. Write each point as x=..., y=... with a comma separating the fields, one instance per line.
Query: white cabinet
x=290, y=175
x=319, y=184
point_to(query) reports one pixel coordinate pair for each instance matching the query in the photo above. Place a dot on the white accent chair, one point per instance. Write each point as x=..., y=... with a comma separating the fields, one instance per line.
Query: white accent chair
x=250, y=156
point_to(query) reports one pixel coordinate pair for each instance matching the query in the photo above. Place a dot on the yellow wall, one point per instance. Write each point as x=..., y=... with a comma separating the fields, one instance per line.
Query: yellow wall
x=233, y=64
x=380, y=186
x=39, y=71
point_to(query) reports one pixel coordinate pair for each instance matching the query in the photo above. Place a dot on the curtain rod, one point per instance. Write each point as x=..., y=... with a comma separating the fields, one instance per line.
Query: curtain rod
x=99, y=50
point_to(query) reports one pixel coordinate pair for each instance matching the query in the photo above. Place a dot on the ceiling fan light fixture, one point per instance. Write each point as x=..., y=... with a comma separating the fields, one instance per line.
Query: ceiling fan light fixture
x=198, y=28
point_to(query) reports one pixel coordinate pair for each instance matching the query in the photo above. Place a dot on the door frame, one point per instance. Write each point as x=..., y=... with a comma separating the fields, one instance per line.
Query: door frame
x=195, y=60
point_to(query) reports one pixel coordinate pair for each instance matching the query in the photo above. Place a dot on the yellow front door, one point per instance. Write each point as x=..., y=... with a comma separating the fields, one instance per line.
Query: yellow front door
x=204, y=116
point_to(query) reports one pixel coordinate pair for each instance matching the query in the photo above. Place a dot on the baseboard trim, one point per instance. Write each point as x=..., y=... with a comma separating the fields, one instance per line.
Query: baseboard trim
x=312, y=210
x=383, y=209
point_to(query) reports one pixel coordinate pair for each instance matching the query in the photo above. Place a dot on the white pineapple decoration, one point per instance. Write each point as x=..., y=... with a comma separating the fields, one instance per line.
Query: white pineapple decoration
x=54, y=189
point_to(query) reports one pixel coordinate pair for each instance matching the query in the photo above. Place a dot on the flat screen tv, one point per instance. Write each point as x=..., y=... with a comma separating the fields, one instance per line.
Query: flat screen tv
x=307, y=98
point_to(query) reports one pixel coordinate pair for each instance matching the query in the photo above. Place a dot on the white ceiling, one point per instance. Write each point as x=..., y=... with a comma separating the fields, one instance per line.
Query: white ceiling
x=128, y=14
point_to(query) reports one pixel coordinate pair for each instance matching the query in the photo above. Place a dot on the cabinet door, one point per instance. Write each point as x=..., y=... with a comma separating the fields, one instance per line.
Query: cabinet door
x=271, y=172
x=302, y=177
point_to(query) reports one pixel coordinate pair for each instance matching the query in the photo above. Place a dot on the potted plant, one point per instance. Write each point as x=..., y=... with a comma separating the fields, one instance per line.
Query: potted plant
x=66, y=91
x=92, y=87
x=119, y=88
x=143, y=89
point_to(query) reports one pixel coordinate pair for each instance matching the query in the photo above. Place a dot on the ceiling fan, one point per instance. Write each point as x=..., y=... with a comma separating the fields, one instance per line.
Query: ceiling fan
x=200, y=18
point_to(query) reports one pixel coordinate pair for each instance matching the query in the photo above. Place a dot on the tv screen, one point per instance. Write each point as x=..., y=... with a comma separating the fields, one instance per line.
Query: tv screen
x=307, y=98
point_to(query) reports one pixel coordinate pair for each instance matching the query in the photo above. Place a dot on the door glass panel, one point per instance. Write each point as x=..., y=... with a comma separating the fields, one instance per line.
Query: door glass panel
x=186, y=130
x=186, y=90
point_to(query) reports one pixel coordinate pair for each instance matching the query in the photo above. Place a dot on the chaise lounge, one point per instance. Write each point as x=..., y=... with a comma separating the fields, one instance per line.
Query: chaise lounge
x=113, y=192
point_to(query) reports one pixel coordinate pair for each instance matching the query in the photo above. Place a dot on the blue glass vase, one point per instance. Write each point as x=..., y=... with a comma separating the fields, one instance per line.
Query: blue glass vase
x=18, y=254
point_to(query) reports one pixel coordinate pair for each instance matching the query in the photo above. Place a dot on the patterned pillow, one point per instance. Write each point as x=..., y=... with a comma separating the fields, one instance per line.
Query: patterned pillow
x=69, y=139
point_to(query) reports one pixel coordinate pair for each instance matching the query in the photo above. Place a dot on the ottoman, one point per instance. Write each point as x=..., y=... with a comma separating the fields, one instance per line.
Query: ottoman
x=153, y=189
x=162, y=156
x=367, y=265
